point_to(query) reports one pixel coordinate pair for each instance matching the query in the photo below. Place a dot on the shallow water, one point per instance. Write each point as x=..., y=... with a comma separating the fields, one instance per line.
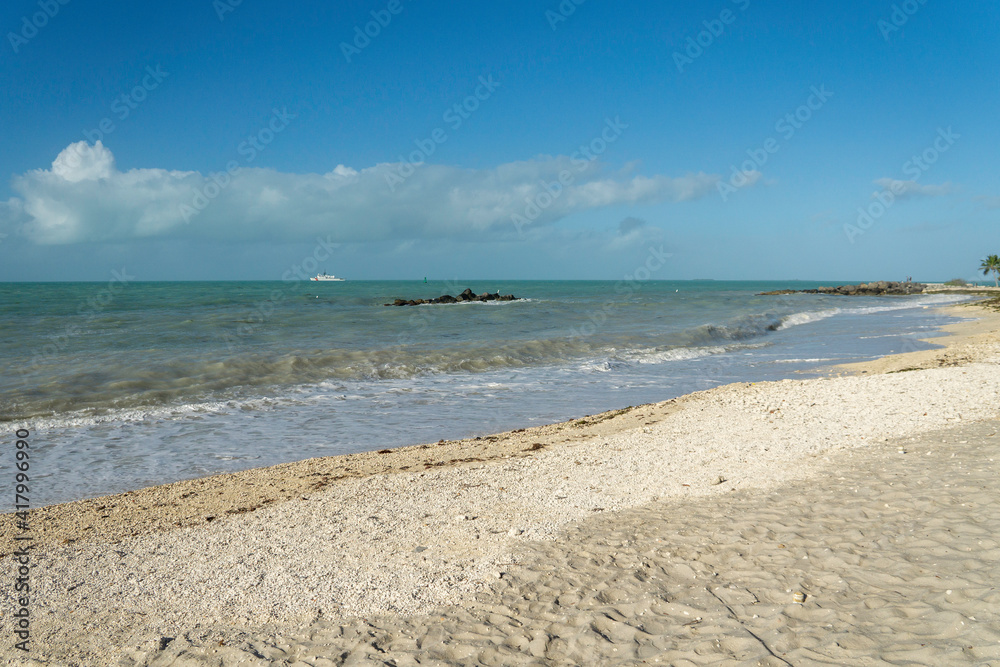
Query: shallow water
x=163, y=381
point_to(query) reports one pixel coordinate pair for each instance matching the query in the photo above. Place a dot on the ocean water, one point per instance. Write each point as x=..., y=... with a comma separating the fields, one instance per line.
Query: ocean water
x=134, y=384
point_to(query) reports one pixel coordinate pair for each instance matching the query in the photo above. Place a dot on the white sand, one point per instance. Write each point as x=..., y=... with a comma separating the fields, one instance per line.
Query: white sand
x=897, y=555
x=285, y=581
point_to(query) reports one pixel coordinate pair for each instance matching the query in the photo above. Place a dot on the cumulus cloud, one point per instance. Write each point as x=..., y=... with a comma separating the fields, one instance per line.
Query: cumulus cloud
x=85, y=198
x=83, y=162
x=912, y=189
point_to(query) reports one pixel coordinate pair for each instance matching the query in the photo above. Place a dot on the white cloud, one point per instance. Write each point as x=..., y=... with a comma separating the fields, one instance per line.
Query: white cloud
x=84, y=197
x=83, y=162
x=912, y=189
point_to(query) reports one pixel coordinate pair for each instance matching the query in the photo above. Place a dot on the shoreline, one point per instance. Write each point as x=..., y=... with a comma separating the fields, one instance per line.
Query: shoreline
x=407, y=530
x=194, y=436
x=198, y=501
x=961, y=343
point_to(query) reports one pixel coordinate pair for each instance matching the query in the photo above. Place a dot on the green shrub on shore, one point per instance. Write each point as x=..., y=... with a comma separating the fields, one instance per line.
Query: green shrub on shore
x=956, y=282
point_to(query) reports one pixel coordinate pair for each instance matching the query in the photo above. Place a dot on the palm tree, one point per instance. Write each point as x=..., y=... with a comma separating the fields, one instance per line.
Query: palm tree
x=992, y=263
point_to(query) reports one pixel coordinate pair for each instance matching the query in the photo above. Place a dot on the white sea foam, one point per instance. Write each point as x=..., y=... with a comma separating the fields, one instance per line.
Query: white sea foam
x=815, y=360
x=929, y=301
x=892, y=335
x=687, y=353
x=797, y=319
x=83, y=419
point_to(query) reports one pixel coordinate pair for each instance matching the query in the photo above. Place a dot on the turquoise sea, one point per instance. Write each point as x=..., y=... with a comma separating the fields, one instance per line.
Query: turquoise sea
x=127, y=384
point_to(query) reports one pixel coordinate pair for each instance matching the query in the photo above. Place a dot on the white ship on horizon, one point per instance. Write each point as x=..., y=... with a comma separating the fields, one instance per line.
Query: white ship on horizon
x=325, y=277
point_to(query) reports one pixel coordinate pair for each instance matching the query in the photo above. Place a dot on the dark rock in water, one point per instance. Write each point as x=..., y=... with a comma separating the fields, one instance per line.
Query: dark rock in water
x=879, y=288
x=467, y=295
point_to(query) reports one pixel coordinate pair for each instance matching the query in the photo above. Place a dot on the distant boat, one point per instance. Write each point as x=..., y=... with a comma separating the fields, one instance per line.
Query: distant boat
x=324, y=277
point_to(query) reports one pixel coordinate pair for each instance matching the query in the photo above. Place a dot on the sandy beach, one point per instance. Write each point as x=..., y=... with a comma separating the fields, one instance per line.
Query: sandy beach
x=845, y=520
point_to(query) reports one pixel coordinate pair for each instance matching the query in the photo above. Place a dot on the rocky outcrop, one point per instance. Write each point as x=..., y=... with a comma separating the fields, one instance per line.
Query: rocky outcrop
x=467, y=295
x=880, y=288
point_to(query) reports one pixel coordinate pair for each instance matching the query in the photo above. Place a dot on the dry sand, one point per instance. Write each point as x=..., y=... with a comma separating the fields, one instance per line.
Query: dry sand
x=675, y=533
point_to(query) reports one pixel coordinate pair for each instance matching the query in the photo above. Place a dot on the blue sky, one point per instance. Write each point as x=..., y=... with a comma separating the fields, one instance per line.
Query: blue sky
x=749, y=140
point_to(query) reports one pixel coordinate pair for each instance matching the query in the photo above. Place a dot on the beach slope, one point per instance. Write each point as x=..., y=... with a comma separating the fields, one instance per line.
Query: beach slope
x=684, y=532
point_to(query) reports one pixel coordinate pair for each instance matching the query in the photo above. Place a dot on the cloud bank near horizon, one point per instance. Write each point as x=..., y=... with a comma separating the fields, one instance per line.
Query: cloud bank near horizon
x=83, y=197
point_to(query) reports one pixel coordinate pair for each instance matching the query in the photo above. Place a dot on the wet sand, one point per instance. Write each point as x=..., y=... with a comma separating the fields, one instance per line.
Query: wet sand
x=676, y=532
x=964, y=343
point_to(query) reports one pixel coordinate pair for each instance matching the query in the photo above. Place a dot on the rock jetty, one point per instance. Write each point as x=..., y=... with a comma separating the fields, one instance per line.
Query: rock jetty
x=880, y=288
x=467, y=295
